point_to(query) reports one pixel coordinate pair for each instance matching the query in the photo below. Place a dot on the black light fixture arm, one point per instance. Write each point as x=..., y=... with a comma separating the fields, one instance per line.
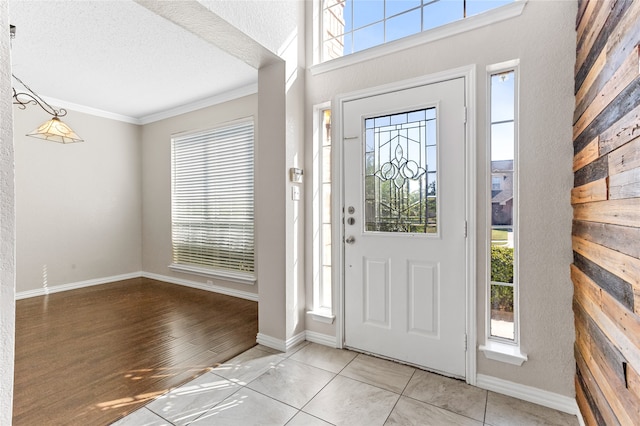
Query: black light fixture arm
x=19, y=99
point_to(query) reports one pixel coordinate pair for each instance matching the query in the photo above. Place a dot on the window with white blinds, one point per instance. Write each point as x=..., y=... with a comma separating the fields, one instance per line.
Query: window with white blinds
x=212, y=218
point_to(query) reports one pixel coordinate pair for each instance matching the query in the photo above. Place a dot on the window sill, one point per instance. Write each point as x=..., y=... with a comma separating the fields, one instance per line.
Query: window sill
x=457, y=27
x=237, y=277
x=322, y=315
x=503, y=352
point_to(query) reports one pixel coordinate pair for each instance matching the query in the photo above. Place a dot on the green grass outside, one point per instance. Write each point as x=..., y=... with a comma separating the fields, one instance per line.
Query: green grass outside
x=498, y=235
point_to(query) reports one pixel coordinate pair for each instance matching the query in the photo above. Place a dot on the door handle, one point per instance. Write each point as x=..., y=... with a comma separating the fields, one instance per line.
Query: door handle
x=350, y=239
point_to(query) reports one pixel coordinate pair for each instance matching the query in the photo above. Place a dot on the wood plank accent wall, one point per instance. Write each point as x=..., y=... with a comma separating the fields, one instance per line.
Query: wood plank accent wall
x=606, y=203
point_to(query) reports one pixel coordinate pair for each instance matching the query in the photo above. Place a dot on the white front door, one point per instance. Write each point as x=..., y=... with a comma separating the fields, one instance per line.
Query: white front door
x=404, y=225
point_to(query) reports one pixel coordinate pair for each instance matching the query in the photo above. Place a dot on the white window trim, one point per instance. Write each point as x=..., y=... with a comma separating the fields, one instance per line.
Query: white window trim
x=503, y=352
x=495, y=348
x=489, y=17
x=215, y=273
x=320, y=313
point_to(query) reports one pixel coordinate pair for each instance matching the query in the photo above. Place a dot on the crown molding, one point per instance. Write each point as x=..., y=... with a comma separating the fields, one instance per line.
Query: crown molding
x=230, y=95
x=60, y=103
x=227, y=96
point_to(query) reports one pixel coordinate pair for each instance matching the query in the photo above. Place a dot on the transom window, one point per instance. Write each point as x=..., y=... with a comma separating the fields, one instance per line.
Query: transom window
x=401, y=172
x=350, y=26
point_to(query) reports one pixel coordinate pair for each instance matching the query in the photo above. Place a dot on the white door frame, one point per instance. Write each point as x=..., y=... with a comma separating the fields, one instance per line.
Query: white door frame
x=469, y=75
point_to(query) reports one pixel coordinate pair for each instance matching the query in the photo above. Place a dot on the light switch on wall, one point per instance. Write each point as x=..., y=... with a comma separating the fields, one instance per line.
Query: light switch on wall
x=295, y=193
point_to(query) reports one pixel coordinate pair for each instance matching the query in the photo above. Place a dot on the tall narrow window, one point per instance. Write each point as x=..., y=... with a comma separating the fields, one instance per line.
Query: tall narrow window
x=322, y=282
x=503, y=201
x=212, y=219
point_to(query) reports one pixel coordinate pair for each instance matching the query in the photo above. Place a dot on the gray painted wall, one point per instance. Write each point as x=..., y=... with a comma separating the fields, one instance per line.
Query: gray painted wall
x=78, y=210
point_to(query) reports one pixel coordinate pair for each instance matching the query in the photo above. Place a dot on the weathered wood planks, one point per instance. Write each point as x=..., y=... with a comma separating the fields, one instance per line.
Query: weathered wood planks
x=608, y=365
x=621, y=290
x=624, y=130
x=621, y=79
x=621, y=238
x=625, y=158
x=617, y=47
x=597, y=169
x=617, y=212
x=606, y=205
x=603, y=310
x=617, y=109
x=592, y=191
x=587, y=155
x=620, y=264
x=590, y=413
x=590, y=387
x=617, y=10
x=625, y=185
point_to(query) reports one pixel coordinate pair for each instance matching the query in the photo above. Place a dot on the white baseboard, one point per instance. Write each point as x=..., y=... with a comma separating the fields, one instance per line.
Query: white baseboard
x=279, y=344
x=105, y=280
x=298, y=338
x=321, y=339
x=271, y=342
x=73, y=286
x=201, y=286
x=527, y=393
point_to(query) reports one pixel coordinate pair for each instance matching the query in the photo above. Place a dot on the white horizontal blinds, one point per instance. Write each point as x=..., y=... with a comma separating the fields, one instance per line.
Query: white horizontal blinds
x=212, y=199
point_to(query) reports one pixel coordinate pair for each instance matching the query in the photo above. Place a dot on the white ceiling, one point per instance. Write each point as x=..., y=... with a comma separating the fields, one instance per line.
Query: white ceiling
x=118, y=57
x=271, y=22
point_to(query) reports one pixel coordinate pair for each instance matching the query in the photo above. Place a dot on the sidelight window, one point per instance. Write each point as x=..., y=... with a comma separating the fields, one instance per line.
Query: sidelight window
x=322, y=254
x=503, y=292
x=502, y=327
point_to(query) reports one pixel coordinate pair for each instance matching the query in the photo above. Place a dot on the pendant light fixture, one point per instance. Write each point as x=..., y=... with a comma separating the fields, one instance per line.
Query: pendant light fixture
x=54, y=130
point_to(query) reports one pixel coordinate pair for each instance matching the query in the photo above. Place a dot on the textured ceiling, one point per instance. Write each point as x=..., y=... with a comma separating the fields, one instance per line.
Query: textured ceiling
x=118, y=57
x=270, y=22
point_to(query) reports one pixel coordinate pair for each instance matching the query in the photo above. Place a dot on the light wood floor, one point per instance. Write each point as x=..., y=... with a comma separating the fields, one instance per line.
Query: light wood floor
x=90, y=356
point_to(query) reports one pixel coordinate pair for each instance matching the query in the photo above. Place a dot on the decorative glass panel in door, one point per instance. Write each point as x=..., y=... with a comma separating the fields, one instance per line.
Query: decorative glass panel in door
x=401, y=172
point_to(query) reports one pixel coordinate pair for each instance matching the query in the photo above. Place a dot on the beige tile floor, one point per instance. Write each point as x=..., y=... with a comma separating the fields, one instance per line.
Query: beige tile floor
x=317, y=385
